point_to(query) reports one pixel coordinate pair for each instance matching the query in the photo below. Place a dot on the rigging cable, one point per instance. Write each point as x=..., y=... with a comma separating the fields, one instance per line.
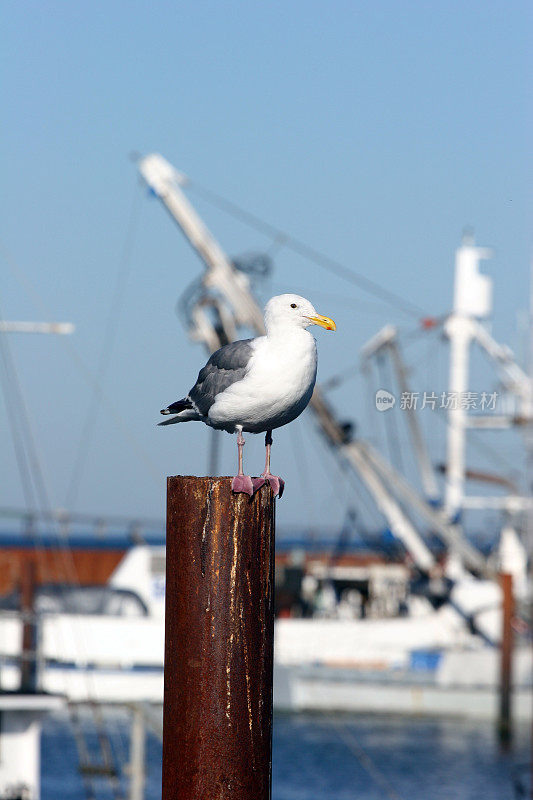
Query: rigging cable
x=35, y=475
x=110, y=335
x=336, y=484
x=16, y=432
x=482, y=446
x=300, y=458
x=86, y=372
x=310, y=253
x=341, y=376
x=389, y=418
x=358, y=304
x=63, y=553
x=32, y=475
x=347, y=478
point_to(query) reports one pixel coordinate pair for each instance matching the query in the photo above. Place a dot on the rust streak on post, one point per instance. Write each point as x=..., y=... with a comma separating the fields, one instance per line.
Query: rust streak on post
x=217, y=726
x=505, y=721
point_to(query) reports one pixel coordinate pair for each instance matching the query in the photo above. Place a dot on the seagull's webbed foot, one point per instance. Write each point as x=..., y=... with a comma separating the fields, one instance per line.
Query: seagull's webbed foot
x=242, y=483
x=277, y=484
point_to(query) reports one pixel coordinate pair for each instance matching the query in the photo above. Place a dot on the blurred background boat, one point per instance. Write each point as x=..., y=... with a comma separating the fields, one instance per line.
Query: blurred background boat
x=407, y=618
x=404, y=618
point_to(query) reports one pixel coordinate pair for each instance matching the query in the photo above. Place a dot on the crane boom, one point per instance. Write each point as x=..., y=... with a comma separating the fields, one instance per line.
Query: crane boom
x=166, y=182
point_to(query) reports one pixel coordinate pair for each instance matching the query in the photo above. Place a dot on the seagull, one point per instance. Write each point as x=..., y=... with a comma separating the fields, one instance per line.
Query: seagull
x=257, y=385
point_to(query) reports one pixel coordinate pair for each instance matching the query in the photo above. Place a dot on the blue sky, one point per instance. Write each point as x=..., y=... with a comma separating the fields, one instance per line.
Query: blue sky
x=374, y=132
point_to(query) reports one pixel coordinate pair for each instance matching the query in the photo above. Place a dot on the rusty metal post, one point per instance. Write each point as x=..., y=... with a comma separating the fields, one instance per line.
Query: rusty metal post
x=219, y=630
x=504, y=720
x=28, y=661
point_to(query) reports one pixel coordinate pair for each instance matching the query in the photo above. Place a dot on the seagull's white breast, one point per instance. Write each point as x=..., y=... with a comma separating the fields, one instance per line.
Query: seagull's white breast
x=275, y=390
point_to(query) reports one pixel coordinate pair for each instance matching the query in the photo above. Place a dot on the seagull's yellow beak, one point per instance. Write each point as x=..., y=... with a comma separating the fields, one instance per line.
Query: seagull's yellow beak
x=324, y=322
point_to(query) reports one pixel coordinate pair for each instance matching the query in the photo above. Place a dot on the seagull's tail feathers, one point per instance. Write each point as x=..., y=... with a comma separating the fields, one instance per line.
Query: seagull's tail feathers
x=184, y=411
x=173, y=420
x=180, y=405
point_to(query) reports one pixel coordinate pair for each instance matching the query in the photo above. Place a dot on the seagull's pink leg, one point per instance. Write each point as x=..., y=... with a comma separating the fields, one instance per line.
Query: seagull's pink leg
x=241, y=482
x=277, y=483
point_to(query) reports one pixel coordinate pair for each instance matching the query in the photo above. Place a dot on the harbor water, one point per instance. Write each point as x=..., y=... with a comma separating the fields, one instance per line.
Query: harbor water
x=336, y=757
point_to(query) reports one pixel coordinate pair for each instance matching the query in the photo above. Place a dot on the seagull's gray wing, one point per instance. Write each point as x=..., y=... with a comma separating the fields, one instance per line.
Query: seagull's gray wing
x=225, y=367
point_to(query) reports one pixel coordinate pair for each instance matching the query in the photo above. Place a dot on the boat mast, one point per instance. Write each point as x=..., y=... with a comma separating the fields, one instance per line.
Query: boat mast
x=472, y=300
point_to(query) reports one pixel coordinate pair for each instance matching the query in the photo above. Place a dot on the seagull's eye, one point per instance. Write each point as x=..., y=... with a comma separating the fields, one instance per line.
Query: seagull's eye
x=293, y=305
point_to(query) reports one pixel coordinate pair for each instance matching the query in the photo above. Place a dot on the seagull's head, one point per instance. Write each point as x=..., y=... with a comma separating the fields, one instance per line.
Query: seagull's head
x=291, y=310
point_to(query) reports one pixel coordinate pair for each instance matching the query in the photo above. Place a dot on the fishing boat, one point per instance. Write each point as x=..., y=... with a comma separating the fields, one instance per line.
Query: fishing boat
x=408, y=622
